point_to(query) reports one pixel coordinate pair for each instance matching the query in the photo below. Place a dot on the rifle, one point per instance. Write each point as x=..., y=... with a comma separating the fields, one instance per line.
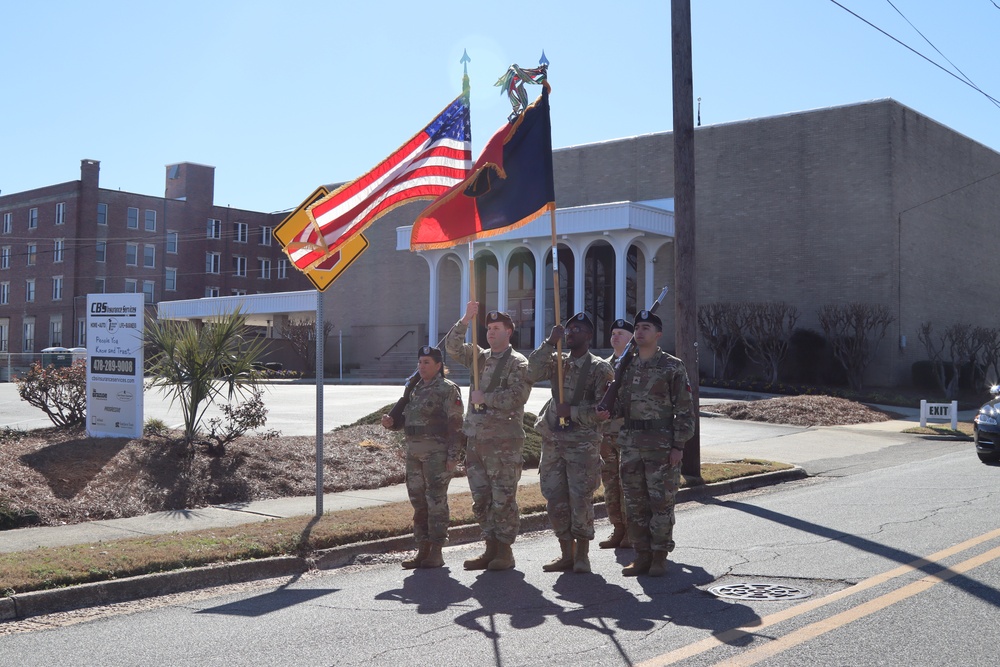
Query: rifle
x=611, y=395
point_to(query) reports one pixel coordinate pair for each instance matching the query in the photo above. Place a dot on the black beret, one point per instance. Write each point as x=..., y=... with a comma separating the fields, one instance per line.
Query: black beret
x=497, y=316
x=429, y=351
x=652, y=318
x=581, y=318
x=623, y=324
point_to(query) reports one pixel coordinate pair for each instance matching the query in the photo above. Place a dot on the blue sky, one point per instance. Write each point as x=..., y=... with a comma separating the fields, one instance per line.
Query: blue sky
x=283, y=96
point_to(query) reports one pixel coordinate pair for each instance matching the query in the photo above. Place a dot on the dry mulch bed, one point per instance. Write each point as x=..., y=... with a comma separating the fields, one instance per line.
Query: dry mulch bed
x=803, y=411
x=66, y=477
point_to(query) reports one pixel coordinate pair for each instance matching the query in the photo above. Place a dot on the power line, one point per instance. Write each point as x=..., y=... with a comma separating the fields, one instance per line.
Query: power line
x=964, y=75
x=910, y=48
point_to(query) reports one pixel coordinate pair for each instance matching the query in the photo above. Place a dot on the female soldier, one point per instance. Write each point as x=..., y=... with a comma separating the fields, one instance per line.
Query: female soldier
x=432, y=421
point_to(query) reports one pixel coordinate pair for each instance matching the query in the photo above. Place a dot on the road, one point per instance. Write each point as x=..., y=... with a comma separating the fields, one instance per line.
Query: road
x=898, y=552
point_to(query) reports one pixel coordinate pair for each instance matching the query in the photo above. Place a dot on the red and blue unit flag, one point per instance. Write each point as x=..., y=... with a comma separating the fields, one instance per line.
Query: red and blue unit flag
x=511, y=184
x=425, y=167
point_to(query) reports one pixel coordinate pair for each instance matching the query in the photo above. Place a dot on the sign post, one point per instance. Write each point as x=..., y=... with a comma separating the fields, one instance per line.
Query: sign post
x=114, y=365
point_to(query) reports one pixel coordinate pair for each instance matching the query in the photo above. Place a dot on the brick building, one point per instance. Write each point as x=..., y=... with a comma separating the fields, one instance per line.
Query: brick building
x=59, y=243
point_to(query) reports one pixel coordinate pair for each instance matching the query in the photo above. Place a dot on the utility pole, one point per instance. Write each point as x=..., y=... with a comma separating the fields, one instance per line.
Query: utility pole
x=685, y=265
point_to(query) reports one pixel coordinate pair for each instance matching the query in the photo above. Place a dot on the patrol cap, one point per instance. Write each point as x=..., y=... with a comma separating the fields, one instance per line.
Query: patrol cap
x=497, y=316
x=652, y=318
x=623, y=324
x=429, y=351
x=581, y=318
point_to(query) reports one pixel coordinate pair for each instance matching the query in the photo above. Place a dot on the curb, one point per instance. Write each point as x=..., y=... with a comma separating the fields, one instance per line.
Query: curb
x=36, y=603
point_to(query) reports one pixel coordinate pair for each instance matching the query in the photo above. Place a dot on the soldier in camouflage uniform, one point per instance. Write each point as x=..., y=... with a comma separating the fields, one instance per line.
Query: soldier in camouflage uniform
x=614, y=497
x=655, y=401
x=495, y=433
x=432, y=421
x=570, y=467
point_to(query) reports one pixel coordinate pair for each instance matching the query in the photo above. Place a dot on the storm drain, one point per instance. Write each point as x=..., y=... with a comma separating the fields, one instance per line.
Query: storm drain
x=749, y=591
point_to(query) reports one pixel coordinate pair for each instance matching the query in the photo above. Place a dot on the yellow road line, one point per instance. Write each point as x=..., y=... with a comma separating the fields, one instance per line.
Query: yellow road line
x=753, y=656
x=735, y=634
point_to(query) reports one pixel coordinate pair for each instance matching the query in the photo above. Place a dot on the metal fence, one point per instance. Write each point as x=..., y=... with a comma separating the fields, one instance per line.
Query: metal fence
x=13, y=364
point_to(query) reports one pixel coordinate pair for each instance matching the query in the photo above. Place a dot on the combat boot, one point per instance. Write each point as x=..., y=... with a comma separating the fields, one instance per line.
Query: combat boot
x=639, y=566
x=418, y=558
x=482, y=562
x=658, y=564
x=581, y=561
x=626, y=542
x=434, y=557
x=616, y=538
x=565, y=561
x=504, y=559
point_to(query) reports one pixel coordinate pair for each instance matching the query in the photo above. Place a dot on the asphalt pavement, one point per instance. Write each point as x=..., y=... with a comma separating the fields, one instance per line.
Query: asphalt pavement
x=811, y=449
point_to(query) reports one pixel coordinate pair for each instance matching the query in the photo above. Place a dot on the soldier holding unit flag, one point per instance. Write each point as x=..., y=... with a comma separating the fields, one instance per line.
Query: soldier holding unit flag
x=493, y=456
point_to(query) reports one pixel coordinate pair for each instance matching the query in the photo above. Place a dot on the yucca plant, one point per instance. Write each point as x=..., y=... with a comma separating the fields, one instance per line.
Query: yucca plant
x=200, y=366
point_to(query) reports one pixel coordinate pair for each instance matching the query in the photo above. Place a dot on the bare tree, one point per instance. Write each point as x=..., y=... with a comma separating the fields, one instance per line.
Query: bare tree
x=720, y=325
x=962, y=344
x=854, y=331
x=766, y=330
x=990, y=353
x=301, y=335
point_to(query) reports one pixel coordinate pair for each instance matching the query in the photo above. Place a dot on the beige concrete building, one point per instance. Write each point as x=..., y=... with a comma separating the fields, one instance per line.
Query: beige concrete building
x=870, y=202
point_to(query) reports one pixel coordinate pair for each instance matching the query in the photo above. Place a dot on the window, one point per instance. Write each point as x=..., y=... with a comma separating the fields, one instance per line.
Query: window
x=28, y=339
x=133, y=218
x=4, y=294
x=149, y=256
x=29, y=290
x=282, y=269
x=172, y=242
x=5, y=257
x=55, y=331
x=213, y=262
x=265, y=235
x=57, y=288
x=214, y=228
x=265, y=268
x=4, y=334
x=211, y=292
x=7, y=222
x=81, y=332
x=32, y=253
x=147, y=291
x=32, y=218
x=239, y=292
x=102, y=250
x=100, y=285
x=239, y=266
x=57, y=255
x=130, y=286
x=61, y=213
x=241, y=232
x=170, y=280
x=150, y=220
x=102, y=214
x=132, y=254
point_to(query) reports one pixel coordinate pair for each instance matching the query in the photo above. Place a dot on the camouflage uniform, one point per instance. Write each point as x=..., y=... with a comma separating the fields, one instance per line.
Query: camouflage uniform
x=494, y=452
x=433, y=423
x=655, y=402
x=570, y=466
x=614, y=497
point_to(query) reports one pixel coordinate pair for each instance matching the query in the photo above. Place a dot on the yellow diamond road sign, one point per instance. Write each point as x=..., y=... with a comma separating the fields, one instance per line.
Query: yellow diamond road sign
x=324, y=273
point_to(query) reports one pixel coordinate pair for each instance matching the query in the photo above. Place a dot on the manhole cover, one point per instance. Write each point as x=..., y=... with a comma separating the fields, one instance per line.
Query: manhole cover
x=747, y=591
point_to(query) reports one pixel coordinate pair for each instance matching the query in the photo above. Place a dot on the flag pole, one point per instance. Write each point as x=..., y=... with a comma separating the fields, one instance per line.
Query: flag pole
x=563, y=423
x=474, y=383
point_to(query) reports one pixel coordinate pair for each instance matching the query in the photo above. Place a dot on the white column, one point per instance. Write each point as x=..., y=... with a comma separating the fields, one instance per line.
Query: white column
x=465, y=297
x=432, y=258
x=579, y=279
x=540, y=277
x=621, y=262
x=647, y=299
x=501, y=278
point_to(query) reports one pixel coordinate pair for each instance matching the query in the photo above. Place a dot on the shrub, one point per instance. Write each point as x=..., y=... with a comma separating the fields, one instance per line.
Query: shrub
x=61, y=393
x=239, y=419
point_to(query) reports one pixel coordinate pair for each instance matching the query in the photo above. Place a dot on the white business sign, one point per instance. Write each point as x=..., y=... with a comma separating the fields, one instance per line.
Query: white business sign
x=114, y=365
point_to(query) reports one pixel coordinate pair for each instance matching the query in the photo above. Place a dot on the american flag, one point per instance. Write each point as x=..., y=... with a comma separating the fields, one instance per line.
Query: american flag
x=425, y=167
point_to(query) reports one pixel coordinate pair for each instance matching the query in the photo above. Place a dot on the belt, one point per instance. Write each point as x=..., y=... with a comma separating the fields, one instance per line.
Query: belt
x=645, y=425
x=424, y=430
